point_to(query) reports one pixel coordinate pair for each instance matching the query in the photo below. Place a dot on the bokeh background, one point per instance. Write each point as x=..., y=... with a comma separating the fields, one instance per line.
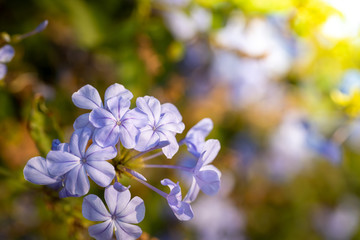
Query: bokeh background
x=279, y=78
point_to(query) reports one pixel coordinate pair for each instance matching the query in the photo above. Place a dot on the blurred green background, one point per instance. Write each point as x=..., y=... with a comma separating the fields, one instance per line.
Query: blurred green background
x=279, y=78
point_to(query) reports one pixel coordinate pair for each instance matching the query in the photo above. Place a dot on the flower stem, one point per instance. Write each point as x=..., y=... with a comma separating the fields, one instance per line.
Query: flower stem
x=168, y=166
x=152, y=156
x=158, y=191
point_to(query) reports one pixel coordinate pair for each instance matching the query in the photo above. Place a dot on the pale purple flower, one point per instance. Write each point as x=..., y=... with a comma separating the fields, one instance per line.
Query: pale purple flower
x=195, y=138
x=206, y=177
x=88, y=97
x=36, y=171
x=121, y=216
x=7, y=53
x=181, y=209
x=164, y=121
x=116, y=122
x=81, y=162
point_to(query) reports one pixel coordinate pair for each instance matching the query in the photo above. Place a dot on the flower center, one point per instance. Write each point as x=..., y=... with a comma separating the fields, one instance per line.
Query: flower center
x=83, y=160
x=118, y=122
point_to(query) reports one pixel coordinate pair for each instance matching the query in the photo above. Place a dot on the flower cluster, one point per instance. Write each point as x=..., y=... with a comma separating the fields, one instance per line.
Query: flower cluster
x=112, y=141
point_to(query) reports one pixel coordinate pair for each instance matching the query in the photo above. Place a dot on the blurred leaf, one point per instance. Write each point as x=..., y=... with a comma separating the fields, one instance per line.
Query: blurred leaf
x=42, y=126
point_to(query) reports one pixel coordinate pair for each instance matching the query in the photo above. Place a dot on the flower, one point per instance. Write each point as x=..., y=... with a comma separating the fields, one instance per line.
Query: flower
x=181, y=209
x=88, y=97
x=116, y=122
x=164, y=121
x=206, y=177
x=7, y=53
x=36, y=171
x=195, y=138
x=79, y=163
x=122, y=213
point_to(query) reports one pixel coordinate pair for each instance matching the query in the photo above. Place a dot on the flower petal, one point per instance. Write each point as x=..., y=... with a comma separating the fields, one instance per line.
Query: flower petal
x=59, y=163
x=36, y=172
x=107, y=136
x=208, y=181
x=127, y=231
x=77, y=181
x=97, y=153
x=79, y=140
x=7, y=53
x=170, y=108
x=138, y=118
x=101, y=172
x=118, y=106
x=151, y=107
x=134, y=211
x=201, y=129
x=100, y=117
x=169, y=150
x=94, y=209
x=209, y=152
x=82, y=121
x=146, y=140
x=119, y=187
x=181, y=209
x=128, y=134
x=87, y=97
x=116, y=200
x=168, y=122
x=195, y=138
x=117, y=90
x=193, y=191
x=102, y=231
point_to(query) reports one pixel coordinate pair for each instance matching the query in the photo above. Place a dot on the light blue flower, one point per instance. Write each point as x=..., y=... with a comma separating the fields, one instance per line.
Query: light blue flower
x=7, y=53
x=164, y=121
x=37, y=172
x=89, y=98
x=116, y=122
x=181, y=209
x=79, y=163
x=206, y=177
x=122, y=214
x=195, y=138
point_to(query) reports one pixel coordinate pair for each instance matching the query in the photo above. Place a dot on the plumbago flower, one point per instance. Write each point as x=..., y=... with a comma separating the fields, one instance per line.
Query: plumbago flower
x=195, y=138
x=89, y=98
x=79, y=163
x=116, y=122
x=36, y=171
x=164, y=121
x=122, y=214
x=150, y=126
x=206, y=177
x=181, y=209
